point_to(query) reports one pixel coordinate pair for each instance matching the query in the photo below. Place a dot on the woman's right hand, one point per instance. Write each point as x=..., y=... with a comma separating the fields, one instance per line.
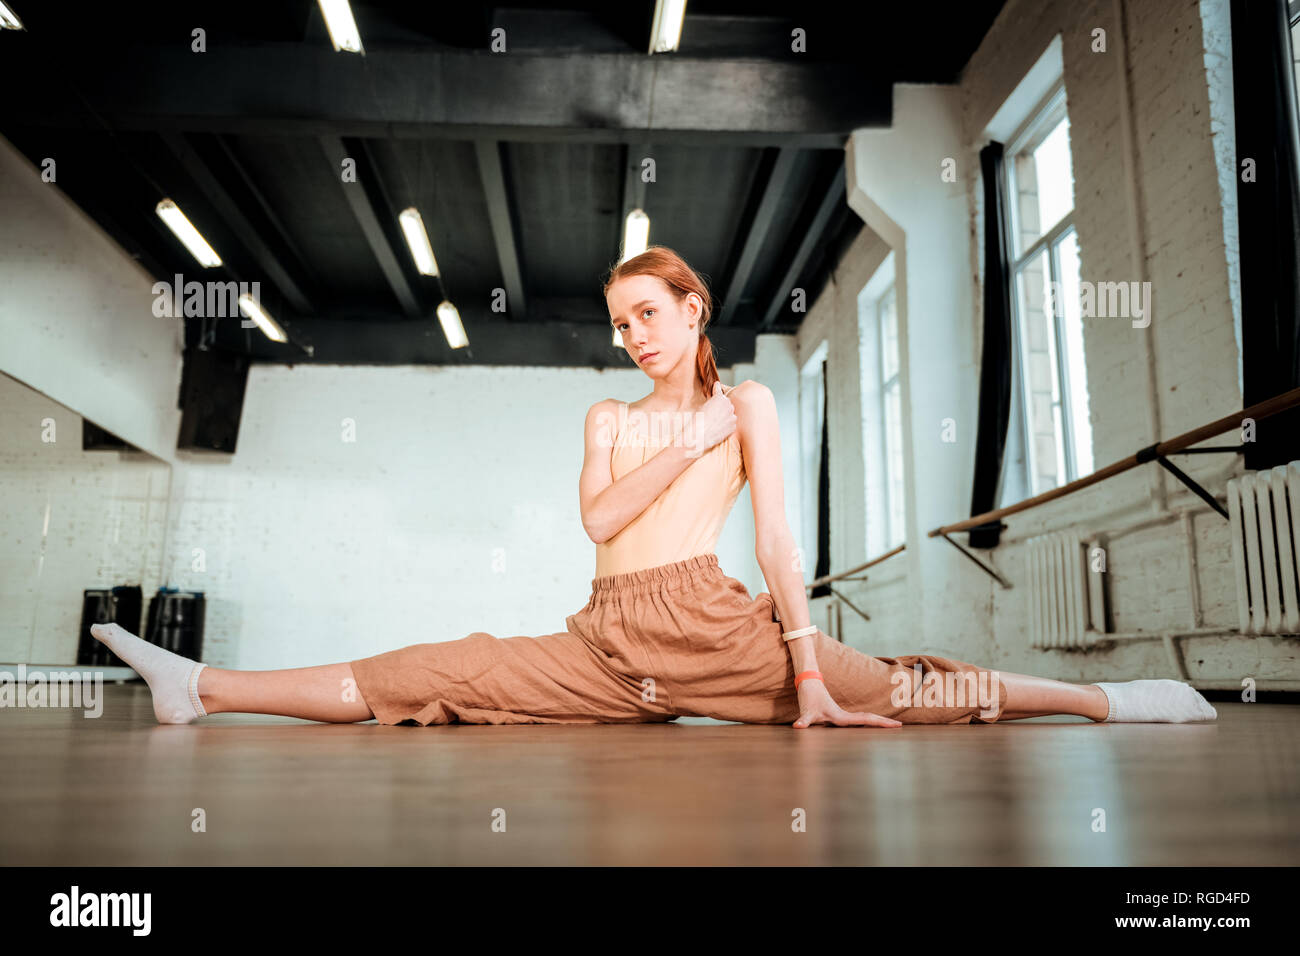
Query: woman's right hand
x=715, y=422
x=816, y=706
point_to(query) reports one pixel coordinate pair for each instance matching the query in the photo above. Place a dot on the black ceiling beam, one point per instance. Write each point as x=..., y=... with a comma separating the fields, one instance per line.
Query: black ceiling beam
x=831, y=200
x=159, y=175
x=495, y=341
x=238, y=264
x=499, y=203
x=290, y=88
x=581, y=309
x=296, y=259
x=368, y=201
x=226, y=207
x=774, y=193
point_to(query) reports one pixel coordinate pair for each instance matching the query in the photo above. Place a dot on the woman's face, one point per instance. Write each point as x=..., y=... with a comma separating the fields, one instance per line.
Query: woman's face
x=658, y=331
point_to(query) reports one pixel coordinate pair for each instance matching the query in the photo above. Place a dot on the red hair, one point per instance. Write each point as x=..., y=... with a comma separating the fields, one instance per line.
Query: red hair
x=666, y=265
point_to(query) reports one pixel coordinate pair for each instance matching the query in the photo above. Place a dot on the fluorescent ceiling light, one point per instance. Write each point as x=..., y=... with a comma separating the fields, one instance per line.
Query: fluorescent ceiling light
x=8, y=19
x=452, y=328
x=341, y=26
x=667, y=30
x=171, y=214
x=253, y=309
x=636, y=234
x=418, y=241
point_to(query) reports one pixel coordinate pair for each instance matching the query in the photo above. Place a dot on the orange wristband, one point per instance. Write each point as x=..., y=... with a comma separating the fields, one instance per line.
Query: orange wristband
x=807, y=675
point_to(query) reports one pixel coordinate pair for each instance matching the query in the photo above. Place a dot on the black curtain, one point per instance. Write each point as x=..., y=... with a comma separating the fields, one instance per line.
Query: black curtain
x=1269, y=221
x=995, y=365
x=824, y=497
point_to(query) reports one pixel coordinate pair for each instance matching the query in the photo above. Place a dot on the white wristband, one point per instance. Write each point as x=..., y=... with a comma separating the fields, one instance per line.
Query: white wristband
x=802, y=632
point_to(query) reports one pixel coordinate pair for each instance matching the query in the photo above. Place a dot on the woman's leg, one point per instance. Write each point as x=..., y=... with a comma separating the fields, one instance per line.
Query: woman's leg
x=1029, y=696
x=184, y=689
x=917, y=688
x=326, y=693
x=554, y=678
x=482, y=679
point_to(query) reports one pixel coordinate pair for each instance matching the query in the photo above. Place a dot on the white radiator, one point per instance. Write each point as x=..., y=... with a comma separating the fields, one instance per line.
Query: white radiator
x=1264, y=512
x=1066, y=595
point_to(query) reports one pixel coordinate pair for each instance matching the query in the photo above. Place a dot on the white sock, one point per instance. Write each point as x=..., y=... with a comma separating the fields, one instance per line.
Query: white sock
x=174, y=680
x=1156, y=701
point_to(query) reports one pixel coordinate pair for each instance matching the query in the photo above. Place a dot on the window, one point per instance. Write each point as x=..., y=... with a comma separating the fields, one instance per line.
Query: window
x=891, y=403
x=882, y=411
x=812, y=406
x=1045, y=296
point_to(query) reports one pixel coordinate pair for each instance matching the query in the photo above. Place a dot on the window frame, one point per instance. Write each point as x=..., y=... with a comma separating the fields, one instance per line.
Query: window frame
x=1050, y=112
x=812, y=387
x=893, y=536
x=873, y=448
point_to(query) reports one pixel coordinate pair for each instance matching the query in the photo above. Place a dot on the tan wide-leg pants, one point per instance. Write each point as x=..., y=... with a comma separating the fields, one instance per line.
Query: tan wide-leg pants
x=682, y=639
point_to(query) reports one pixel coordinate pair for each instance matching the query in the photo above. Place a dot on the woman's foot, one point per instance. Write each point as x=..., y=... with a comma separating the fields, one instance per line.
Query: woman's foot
x=174, y=680
x=1156, y=701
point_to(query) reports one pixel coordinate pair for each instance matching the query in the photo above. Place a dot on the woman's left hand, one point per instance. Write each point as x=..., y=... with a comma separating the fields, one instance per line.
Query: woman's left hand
x=817, y=707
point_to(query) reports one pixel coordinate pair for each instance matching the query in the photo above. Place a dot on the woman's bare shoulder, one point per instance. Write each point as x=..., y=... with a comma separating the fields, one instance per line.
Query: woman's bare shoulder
x=747, y=391
x=604, y=405
x=754, y=404
x=602, y=413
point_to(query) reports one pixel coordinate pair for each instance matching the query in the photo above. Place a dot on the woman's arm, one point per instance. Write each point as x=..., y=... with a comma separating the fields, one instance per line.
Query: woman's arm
x=774, y=544
x=777, y=553
x=608, y=505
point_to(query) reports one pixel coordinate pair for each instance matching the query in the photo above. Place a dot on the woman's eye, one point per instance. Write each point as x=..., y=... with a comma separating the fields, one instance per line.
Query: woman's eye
x=646, y=312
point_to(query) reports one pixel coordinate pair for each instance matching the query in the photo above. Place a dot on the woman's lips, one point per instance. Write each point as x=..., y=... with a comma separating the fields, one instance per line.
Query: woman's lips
x=648, y=356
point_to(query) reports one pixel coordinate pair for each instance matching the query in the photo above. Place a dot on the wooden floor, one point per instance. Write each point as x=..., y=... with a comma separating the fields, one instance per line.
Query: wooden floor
x=121, y=790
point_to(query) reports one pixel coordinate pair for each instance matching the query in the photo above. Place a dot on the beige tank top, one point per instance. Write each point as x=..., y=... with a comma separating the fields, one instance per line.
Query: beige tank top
x=687, y=517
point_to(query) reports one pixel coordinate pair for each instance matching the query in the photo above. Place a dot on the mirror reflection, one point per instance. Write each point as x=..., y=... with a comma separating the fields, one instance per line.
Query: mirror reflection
x=83, y=521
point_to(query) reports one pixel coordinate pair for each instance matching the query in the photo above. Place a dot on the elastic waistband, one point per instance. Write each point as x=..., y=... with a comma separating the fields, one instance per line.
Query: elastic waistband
x=654, y=577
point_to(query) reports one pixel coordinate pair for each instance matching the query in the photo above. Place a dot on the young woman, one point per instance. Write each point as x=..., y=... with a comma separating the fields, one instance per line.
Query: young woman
x=665, y=633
